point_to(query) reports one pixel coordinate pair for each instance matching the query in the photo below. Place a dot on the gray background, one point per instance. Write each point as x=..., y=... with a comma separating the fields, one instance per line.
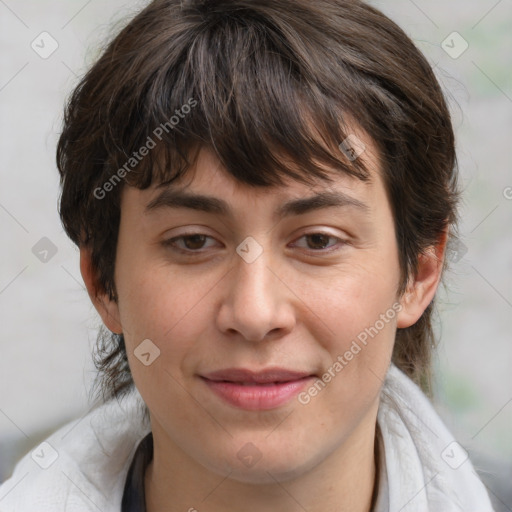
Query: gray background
x=48, y=325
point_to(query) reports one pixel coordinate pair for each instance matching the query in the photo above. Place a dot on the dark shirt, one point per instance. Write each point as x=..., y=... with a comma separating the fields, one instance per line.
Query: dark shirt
x=134, y=497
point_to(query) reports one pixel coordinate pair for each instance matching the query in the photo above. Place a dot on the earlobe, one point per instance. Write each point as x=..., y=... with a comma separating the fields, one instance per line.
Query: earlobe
x=106, y=308
x=422, y=287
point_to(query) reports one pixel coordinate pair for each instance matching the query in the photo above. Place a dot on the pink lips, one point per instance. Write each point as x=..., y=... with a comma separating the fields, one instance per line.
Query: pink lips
x=262, y=390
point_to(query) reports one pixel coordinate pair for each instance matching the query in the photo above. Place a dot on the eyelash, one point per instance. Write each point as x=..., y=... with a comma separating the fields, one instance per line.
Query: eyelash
x=171, y=243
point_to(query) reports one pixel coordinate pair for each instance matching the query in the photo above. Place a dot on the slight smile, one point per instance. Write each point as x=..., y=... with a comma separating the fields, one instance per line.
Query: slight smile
x=257, y=391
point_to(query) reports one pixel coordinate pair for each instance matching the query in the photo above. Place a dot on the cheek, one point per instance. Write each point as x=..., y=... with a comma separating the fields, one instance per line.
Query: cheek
x=163, y=306
x=158, y=305
x=357, y=330
x=362, y=320
x=156, y=299
x=352, y=301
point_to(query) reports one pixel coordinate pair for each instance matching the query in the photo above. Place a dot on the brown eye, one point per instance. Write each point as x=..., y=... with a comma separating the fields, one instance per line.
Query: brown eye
x=194, y=242
x=318, y=240
x=320, y=243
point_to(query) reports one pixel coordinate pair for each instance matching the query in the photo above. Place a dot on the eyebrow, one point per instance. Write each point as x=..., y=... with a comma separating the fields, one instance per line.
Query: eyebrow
x=170, y=198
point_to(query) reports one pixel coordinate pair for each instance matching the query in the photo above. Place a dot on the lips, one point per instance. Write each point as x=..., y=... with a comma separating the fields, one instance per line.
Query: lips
x=240, y=375
x=256, y=390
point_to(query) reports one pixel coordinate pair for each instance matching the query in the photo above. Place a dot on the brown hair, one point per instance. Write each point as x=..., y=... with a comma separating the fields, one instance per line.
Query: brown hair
x=261, y=79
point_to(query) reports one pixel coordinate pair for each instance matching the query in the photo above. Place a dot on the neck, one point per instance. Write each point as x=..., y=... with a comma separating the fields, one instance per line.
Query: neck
x=341, y=483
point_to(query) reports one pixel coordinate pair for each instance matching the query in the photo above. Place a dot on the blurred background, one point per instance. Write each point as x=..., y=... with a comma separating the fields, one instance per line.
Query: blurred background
x=48, y=326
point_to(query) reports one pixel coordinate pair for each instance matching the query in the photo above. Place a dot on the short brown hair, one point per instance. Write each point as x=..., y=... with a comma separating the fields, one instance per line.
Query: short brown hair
x=262, y=78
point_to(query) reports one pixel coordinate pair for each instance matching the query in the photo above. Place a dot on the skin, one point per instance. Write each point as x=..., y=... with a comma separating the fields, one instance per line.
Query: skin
x=299, y=306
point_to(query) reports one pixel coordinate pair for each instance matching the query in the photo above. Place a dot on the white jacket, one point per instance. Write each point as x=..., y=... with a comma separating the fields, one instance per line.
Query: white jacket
x=83, y=466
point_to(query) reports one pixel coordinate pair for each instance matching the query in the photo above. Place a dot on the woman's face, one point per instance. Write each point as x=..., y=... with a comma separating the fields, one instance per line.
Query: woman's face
x=259, y=324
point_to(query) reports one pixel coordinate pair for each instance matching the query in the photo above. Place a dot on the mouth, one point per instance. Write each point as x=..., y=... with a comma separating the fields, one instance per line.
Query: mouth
x=261, y=390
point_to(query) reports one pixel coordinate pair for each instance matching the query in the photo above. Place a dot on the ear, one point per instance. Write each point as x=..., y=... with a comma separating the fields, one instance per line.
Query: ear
x=107, y=308
x=423, y=286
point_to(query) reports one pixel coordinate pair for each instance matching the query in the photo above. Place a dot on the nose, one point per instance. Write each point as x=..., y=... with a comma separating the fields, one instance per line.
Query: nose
x=257, y=303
